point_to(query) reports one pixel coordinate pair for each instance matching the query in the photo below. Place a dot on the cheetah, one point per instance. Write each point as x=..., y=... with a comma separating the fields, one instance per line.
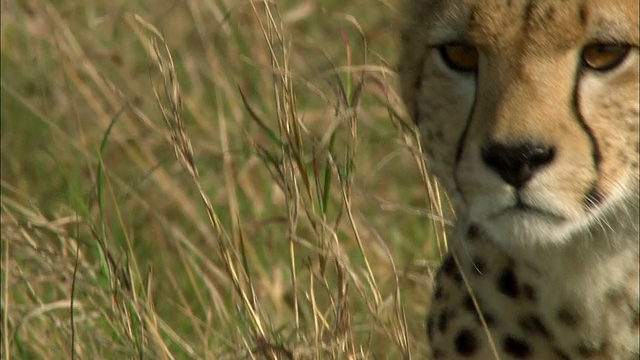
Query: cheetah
x=528, y=111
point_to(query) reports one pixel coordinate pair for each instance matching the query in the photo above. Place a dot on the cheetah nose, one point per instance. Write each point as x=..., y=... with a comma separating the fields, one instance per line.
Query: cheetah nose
x=516, y=164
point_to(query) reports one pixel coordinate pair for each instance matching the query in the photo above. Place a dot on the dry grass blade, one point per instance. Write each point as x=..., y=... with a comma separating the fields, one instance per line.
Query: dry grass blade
x=239, y=207
x=169, y=100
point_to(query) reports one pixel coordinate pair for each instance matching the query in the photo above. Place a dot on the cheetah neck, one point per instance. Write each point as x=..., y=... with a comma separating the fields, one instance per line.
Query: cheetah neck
x=598, y=259
x=609, y=242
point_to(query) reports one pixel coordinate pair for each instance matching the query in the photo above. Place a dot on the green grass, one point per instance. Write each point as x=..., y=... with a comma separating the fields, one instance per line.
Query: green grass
x=211, y=179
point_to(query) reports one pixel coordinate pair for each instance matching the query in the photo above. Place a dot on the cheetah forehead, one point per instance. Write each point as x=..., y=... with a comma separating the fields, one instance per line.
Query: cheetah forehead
x=526, y=25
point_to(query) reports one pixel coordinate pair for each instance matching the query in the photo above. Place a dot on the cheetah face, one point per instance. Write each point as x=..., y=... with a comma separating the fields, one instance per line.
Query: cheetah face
x=529, y=119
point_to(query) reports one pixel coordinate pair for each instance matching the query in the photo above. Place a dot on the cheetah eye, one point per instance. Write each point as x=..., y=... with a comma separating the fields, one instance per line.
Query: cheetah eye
x=603, y=57
x=459, y=57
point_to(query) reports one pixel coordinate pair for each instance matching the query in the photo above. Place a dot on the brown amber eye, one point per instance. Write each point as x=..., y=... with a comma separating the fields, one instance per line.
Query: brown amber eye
x=460, y=57
x=602, y=57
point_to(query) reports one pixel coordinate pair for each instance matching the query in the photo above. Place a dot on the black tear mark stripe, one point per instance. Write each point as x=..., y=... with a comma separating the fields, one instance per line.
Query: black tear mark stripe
x=417, y=83
x=463, y=136
x=595, y=148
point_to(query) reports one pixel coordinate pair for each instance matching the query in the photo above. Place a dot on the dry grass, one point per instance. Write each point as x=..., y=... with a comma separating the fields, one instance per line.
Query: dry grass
x=211, y=179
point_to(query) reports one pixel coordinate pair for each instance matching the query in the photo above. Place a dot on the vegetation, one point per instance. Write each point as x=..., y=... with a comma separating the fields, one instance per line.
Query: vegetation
x=213, y=179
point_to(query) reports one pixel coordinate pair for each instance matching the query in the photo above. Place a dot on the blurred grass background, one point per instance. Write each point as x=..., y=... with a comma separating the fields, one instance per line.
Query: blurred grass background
x=210, y=179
